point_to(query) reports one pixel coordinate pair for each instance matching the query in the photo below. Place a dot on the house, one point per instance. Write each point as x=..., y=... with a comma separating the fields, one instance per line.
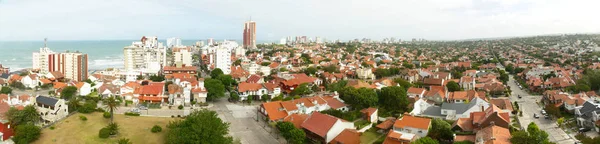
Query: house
x=433, y=82
x=51, y=109
x=248, y=89
x=200, y=94
x=152, y=93
x=291, y=81
x=178, y=95
x=503, y=103
x=31, y=81
x=57, y=76
x=413, y=92
x=370, y=114
x=127, y=90
x=458, y=97
x=365, y=73
x=481, y=119
x=348, y=136
x=84, y=88
x=435, y=95
x=387, y=124
x=588, y=116
x=179, y=69
x=408, y=129
x=6, y=131
x=494, y=88
x=278, y=110
x=296, y=119
x=324, y=128
x=467, y=82
x=255, y=79
x=453, y=111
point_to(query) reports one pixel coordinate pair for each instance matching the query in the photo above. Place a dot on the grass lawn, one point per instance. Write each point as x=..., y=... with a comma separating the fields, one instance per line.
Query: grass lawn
x=369, y=136
x=135, y=128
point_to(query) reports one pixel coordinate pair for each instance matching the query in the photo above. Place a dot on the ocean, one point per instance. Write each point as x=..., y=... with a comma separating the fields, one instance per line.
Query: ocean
x=101, y=54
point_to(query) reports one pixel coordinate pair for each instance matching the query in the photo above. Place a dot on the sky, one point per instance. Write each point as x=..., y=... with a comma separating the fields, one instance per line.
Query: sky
x=275, y=19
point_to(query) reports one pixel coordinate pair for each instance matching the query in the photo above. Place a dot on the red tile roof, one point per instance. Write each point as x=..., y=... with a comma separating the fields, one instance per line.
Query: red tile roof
x=274, y=110
x=244, y=87
x=414, y=122
x=334, y=103
x=296, y=119
x=253, y=79
x=413, y=90
x=186, y=68
x=348, y=136
x=150, y=90
x=319, y=123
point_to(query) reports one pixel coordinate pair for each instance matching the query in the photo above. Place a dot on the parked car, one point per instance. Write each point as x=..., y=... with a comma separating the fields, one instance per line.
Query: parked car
x=582, y=130
x=544, y=112
x=547, y=117
x=536, y=116
x=519, y=96
x=143, y=108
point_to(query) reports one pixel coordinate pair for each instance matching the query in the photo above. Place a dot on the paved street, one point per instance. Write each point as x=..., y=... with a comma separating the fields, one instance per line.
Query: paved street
x=30, y=92
x=243, y=124
x=529, y=106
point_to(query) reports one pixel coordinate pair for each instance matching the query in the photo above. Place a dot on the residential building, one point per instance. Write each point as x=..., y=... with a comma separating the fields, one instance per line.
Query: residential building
x=370, y=114
x=51, y=109
x=324, y=128
x=182, y=55
x=73, y=65
x=407, y=129
x=278, y=110
x=147, y=55
x=173, y=42
x=4, y=70
x=153, y=92
x=365, y=73
x=492, y=116
x=588, y=116
x=178, y=68
x=30, y=81
x=250, y=34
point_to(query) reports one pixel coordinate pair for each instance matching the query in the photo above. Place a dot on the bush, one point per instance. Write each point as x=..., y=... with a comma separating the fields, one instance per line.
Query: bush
x=100, y=110
x=132, y=114
x=361, y=123
x=106, y=115
x=88, y=107
x=156, y=129
x=104, y=133
x=52, y=128
x=83, y=118
x=180, y=107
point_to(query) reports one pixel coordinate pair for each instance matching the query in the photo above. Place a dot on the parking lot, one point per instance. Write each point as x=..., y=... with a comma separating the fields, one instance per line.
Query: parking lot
x=243, y=123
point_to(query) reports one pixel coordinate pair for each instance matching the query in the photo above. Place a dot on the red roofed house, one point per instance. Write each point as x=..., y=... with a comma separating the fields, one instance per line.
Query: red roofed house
x=294, y=80
x=247, y=89
x=179, y=69
x=348, y=136
x=408, y=129
x=277, y=110
x=324, y=128
x=370, y=114
x=478, y=120
x=6, y=131
x=413, y=92
x=153, y=93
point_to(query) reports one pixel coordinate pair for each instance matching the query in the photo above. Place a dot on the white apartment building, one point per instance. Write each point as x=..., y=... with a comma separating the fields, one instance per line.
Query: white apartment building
x=74, y=65
x=40, y=59
x=220, y=54
x=173, y=42
x=182, y=55
x=147, y=55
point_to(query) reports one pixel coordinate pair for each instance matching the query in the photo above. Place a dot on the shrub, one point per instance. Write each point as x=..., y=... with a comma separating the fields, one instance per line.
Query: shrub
x=180, y=107
x=52, y=128
x=132, y=114
x=156, y=129
x=83, y=118
x=104, y=133
x=106, y=115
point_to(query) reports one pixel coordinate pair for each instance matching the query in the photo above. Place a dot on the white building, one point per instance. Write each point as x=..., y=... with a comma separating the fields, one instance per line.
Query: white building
x=173, y=42
x=182, y=55
x=282, y=41
x=51, y=109
x=40, y=59
x=148, y=55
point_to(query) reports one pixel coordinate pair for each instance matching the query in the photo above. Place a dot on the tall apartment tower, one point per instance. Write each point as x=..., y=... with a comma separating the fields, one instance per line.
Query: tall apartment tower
x=73, y=65
x=250, y=34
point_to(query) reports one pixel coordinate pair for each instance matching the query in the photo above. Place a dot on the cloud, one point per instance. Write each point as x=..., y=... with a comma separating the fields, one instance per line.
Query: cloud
x=332, y=19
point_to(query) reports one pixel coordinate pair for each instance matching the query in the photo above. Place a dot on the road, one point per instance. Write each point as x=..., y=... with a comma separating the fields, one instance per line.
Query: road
x=529, y=107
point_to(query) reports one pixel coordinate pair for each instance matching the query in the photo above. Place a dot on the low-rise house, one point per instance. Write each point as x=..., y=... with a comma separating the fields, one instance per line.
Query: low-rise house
x=84, y=88
x=179, y=69
x=31, y=81
x=200, y=94
x=152, y=93
x=365, y=73
x=458, y=97
x=436, y=95
x=51, y=109
x=413, y=92
x=588, y=116
x=348, y=136
x=467, y=82
x=6, y=131
x=278, y=110
x=255, y=79
x=453, y=111
x=370, y=114
x=127, y=90
x=247, y=89
x=481, y=119
x=408, y=129
x=179, y=95
x=503, y=103
x=324, y=128
x=433, y=82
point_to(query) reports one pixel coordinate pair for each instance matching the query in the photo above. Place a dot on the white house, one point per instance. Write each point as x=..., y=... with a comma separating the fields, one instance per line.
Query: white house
x=84, y=88
x=453, y=111
x=51, y=109
x=324, y=128
x=31, y=81
x=408, y=129
x=248, y=89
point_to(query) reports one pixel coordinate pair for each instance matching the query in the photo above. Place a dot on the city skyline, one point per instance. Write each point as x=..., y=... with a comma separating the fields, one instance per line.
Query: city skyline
x=430, y=19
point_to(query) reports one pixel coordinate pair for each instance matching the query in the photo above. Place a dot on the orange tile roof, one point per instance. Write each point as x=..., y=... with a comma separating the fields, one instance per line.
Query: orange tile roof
x=319, y=123
x=59, y=85
x=274, y=110
x=150, y=90
x=459, y=138
x=296, y=119
x=244, y=87
x=411, y=121
x=494, y=135
x=413, y=90
x=387, y=124
x=334, y=103
x=458, y=95
x=348, y=136
x=186, y=68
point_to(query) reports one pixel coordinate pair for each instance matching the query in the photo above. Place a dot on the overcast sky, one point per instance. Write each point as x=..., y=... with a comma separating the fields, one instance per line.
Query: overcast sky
x=332, y=19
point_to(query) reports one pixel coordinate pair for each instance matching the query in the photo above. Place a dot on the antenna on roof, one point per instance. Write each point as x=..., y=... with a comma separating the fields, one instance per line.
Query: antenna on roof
x=45, y=42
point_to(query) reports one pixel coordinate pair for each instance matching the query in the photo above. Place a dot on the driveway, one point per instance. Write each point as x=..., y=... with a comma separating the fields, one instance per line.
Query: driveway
x=528, y=105
x=243, y=123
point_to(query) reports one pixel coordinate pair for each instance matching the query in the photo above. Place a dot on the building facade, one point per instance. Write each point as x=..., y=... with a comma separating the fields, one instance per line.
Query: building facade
x=147, y=55
x=74, y=65
x=250, y=34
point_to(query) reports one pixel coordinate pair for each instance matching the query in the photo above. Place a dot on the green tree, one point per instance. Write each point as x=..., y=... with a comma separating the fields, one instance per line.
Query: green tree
x=68, y=92
x=331, y=69
x=440, y=130
x=379, y=72
x=296, y=136
x=533, y=135
x=215, y=89
x=157, y=78
x=237, y=62
x=74, y=104
x=302, y=89
x=310, y=71
x=26, y=133
x=426, y=140
x=124, y=141
x=28, y=115
x=403, y=83
x=203, y=126
x=111, y=104
x=140, y=77
x=6, y=90
x=394, y=99
x=227, y=81
x=234, y=97
x=265, y=63
x=337, y=86
x=463, y=142
x=560, y=121
x=452, y=86
x=359, y=98
x=216, y=72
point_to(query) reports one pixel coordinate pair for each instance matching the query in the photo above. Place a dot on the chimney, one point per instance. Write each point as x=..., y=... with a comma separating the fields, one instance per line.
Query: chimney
x=482, y=109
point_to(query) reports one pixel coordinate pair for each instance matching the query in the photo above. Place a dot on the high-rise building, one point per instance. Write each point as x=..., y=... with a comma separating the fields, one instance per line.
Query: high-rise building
x=182, y=55
x=173, y=42
x=250, y=34
x=148, y=55
x=282, y=41
x=73, y=65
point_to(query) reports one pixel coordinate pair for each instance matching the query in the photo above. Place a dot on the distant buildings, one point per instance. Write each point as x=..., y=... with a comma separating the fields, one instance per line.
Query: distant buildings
x=74, y=65
x=173, y=42
x=4, y=70
x=250, y=34
x=148, y=55
x=219, y=55
x=182, y=55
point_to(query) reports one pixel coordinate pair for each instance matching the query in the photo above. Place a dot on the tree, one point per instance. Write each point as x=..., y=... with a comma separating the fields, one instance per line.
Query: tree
x=216, y=72
x=403, y=83
x=440, y=130
x=157, y=78
x=337, y=86
x=379, y=72
x=68, y=92
x=28, y=115
x=394, y=99
x=265, y=63
x=552, y=110
x=560, y=121
x=285, y=128
x=215, y=89
x=426, y=140
x=17, y=85
x=203, y=126
x=452, y=86
x=227, y=81
x=26, y=133
x=111, y=104
x=124, y=141
x=237, y=62
x=6, y=90
x=74, y=104
x=140, y=77
x=302, y=89
x=533, y=135
x=331, y=69
x=359, y=98
x=463, y=142
x=310, y=71
x=234, y=97
x=291, y=133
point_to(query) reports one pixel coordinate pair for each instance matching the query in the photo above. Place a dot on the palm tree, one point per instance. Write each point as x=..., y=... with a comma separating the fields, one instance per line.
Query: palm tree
x=111, y=104
x=74, y=104
x=124, y=141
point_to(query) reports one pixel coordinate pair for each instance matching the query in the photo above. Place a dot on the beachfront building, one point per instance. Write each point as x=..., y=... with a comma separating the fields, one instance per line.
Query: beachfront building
x=147, y=55
x=73, y=65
